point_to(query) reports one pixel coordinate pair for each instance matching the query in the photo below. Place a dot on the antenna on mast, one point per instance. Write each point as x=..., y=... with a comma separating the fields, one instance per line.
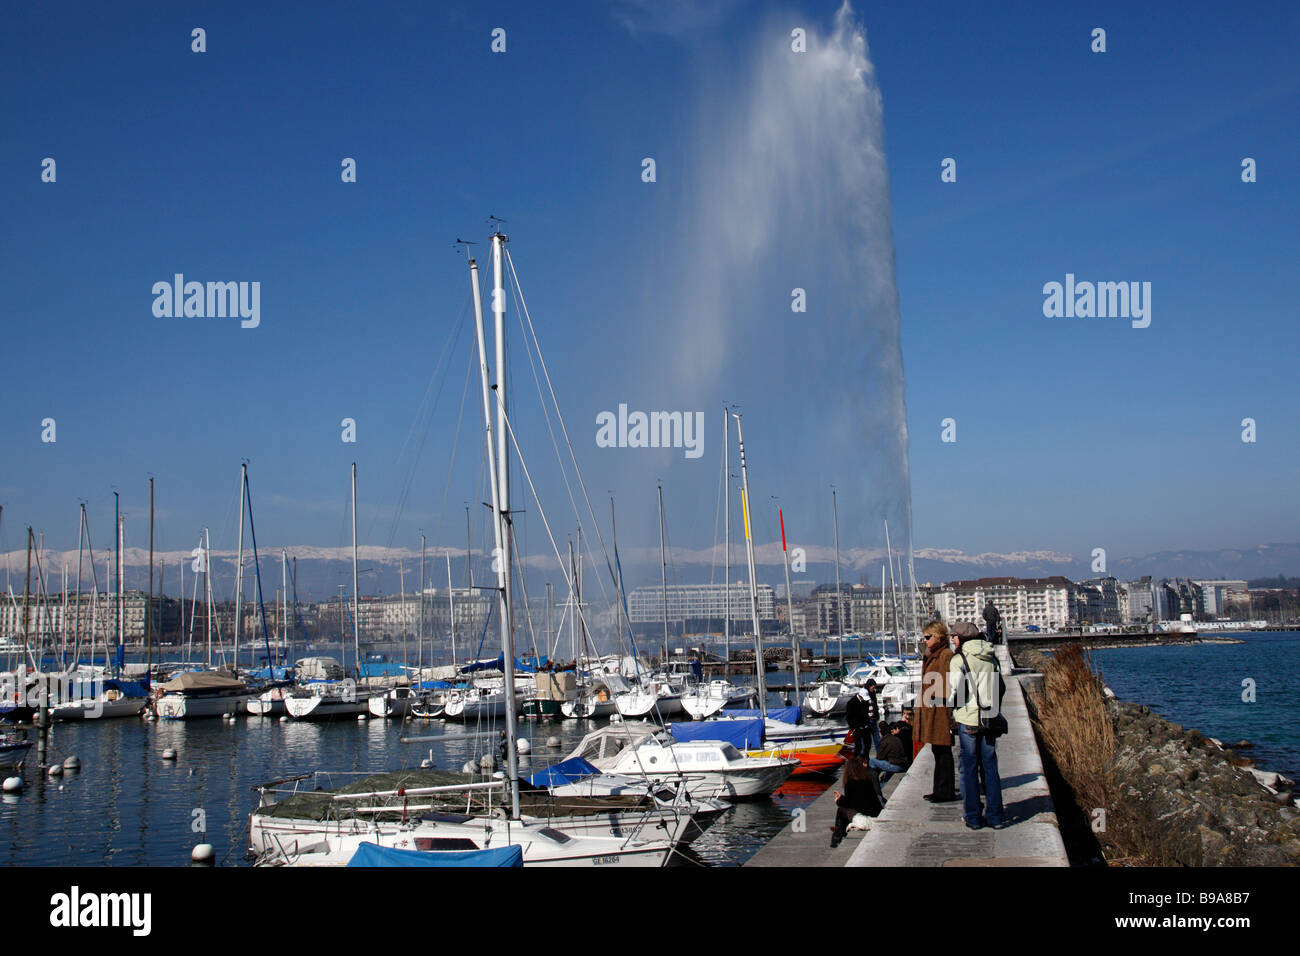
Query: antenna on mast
x=495, y=222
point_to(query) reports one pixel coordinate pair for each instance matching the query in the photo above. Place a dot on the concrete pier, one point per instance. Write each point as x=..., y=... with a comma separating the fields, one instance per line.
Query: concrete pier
x=914, y=832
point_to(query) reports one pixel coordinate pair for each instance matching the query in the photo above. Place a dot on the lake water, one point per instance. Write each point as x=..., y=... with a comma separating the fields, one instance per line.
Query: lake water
x=129, y=807
x=1201, y=686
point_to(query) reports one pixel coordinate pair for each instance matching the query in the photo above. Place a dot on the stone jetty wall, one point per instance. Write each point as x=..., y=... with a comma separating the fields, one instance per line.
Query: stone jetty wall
x=1178, y=798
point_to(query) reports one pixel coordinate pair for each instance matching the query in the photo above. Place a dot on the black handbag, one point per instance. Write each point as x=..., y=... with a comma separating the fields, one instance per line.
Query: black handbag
x=991, y=727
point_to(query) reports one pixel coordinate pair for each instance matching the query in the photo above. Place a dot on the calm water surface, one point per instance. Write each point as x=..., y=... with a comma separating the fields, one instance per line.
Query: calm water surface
x=1201, y=685
x=129, y=807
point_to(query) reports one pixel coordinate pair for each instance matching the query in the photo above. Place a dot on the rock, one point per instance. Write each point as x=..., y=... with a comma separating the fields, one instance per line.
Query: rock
x=1266, y=778
x=1243, y=745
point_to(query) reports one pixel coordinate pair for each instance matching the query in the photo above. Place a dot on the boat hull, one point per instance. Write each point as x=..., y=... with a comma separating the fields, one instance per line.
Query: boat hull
x=99, y=709
x=319, y=707
x=179, y=707
x=587, y=708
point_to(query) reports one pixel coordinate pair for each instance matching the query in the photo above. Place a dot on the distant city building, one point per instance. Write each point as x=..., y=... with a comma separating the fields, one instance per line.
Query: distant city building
x=1136, y=602
x=1044, y=602
x=699, y=608
x=1218, y=595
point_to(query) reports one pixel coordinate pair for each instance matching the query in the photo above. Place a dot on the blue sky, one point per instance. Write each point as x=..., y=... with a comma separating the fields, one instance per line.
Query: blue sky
x=1072, y=433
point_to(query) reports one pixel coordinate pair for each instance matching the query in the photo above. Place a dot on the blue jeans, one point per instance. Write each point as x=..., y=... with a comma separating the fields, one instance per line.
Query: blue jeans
x=875, y=736
x=976, y=750
x=887, y=770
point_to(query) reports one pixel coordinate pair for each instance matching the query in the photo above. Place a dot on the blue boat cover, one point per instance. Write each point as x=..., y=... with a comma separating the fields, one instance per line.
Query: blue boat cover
x=129, y=688
x=787, y=715
x=372, y=854
x=566, y=771
x=523, y=665
x=82, y=689
x=743, y=734
x=282, y=672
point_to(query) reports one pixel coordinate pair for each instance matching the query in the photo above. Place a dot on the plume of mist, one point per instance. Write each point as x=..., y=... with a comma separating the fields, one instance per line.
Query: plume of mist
x=790, y=189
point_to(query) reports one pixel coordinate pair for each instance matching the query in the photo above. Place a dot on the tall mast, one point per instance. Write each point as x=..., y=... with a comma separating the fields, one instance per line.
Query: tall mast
x=893, y=590
x=789, y=606
x=916, y=594
x=469, y=547
x=27, y=594
x=883, y=611
x=622, y=607
x=663, y=569
x=117, y=574
x=239, y=566
x=753, y=579
x=401, y=577
x=148, y=608
x=726, y=550
x=356, y=594
x=503, y=476
x=573, y=610
x=284, y=599
x=207, y=591
x=577, y=608
x=76, y=653
x=550, y=633
x=451, y=610
x=419, y=656
x=121, y=593
x=839, y=596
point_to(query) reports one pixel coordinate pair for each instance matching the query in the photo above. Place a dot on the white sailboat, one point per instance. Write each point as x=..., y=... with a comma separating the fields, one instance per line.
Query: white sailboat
x=649, y=842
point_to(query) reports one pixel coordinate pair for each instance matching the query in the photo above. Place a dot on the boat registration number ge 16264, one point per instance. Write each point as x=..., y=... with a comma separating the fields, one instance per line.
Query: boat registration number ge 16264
x=602, y=860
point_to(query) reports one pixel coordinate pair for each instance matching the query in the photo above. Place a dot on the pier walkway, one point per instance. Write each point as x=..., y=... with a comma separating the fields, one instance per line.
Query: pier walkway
x=913, y=832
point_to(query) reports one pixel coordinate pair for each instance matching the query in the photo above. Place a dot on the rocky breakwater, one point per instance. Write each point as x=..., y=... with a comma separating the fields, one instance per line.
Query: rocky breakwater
x=1188, y=800
x=1151, y=792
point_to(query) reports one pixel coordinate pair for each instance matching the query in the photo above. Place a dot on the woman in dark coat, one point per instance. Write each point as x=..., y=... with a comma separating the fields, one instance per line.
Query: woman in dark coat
x=861, y=795
x=934, y=717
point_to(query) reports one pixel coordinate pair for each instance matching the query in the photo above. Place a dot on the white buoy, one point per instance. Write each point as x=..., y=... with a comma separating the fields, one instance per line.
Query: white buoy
x=56, y=770
x=284, y=718
x=487, y=761
x=499, y=775
x=523, y=746
x=553, y=743
x=469, y=767
x=362, y=716
x=203, y=853
x=169, y=754
x=72, y=763
x=12, y=784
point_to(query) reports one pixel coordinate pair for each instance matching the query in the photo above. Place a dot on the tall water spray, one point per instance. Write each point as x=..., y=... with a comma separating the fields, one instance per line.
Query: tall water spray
x=790, y=191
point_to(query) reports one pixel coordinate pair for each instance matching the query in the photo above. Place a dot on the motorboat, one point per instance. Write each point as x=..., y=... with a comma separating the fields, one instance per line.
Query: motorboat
x=707, y=769
x=705, y=700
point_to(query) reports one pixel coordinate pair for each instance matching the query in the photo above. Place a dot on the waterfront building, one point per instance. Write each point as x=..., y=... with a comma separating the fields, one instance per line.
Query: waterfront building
x=1048, y=603
x=699, y=608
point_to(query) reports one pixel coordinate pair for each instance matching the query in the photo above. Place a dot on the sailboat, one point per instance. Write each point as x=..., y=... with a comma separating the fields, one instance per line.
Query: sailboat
x=541, y=841
x=322, y=700
x=783, y=734
x=220, y=692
